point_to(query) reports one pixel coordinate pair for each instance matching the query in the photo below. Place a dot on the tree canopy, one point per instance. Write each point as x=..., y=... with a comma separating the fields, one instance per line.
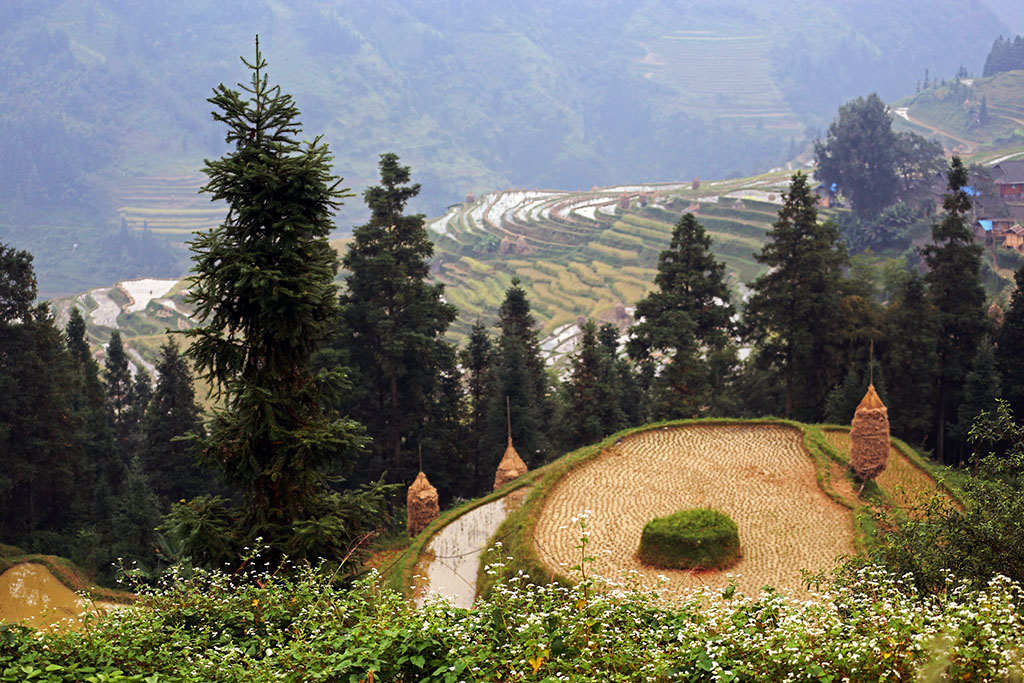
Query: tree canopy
x=263, y=289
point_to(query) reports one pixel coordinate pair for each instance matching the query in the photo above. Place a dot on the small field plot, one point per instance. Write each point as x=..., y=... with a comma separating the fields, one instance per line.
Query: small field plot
x=902, y=481
x=758, y=474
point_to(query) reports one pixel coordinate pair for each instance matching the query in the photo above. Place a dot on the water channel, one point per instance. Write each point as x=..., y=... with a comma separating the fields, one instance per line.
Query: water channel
x=451, y=560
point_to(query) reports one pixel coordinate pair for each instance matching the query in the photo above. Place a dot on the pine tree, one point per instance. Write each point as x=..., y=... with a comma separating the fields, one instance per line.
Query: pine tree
x=167, y=457
x=632, y=401
x=793, y=306
x=99, y=469
x=1010, y=348
x=520, y=377
x=118, y=379
x=954, y=286
x=684, y=321
x=478, y=359
x=910, y=360
x=982, y=386
x=394, y=324
x=135, y=518
x=594, y=407
x=263, y=292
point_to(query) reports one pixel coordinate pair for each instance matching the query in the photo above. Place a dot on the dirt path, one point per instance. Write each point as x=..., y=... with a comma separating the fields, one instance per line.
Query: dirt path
x=760, y=475
x=969, y=145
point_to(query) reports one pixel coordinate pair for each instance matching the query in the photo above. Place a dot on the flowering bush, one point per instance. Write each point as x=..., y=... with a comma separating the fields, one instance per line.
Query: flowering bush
x=873, y=626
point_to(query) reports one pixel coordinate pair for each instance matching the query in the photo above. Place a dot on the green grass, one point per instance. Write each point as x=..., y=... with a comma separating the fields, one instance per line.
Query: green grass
x=698, y=538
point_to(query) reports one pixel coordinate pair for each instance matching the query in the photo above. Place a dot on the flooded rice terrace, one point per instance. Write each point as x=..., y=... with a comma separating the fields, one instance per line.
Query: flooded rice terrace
x=448, y=567
x=31, y=594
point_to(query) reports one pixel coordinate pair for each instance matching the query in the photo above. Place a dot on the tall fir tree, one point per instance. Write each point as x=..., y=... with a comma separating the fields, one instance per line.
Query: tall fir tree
x=910, y=360
x=594, y=406
x=477, y=360
x=793, y=306
x=632, y=400
x=683, y=323
x=168, y=457
x=394, y=321
x=118, y=381
x=263, y=292
x=99, y=469
x=982, y=388
x=954, y=286
x=1010, y=348
x=520, y=378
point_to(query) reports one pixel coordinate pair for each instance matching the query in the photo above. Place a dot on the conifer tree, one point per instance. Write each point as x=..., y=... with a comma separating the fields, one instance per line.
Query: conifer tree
x=520, y=377
x=394, y=321
x=910, y=360
x=954, y=286
x=793, y=306
x=118, y=380
x=685, y=320
x=982, y=388
x=263, y=291
x=99, y=468
x=167, y=458
x=632, y=401
x=477, y=359
x=594, y=407
x=1010, y=348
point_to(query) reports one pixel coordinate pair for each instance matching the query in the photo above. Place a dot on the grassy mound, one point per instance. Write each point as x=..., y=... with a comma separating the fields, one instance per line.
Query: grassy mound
x=700, y=538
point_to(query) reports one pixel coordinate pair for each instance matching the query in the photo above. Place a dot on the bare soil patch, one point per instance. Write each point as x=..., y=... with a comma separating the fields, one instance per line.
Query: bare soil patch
x=760, y=475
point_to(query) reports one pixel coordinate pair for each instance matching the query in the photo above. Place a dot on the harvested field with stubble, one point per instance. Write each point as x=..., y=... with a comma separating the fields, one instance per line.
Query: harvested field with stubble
x=758, y=474
x=906, y=484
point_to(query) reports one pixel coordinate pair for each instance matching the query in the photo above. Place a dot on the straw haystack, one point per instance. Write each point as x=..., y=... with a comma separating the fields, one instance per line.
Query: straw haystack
x=869, y=437
x=510, y=467
x=421, y=505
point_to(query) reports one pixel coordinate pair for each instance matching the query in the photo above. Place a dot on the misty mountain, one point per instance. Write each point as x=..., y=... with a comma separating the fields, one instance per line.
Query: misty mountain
x=474, y=96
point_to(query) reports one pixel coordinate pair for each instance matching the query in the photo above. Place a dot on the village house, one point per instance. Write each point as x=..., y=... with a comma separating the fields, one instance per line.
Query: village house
x=1008, y=177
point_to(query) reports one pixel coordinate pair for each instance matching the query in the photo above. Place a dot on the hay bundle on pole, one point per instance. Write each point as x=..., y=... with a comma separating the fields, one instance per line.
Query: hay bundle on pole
x=869, y=437
x=421, y=504
x=511, y=465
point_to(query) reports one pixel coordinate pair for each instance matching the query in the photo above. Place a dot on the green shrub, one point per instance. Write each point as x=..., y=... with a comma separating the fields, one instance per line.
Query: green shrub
x=701, y=538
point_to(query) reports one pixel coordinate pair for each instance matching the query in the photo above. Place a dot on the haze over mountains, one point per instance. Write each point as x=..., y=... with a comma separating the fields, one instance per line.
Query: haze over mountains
x=106, y=99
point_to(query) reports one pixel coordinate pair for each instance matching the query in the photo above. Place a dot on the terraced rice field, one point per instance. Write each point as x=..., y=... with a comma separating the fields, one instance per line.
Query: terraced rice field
x=903, y=482
x=760, y=475
x=169, y=205
x=593, y=253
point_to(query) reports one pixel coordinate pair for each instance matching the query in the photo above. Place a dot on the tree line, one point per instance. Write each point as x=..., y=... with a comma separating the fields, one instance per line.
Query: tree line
x=328, y=401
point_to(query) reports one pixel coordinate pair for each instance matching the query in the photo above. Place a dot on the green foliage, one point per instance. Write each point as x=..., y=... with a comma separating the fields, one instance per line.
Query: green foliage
x=686, y=321
x=701, y=538
x=859, y=155
x=844, y=398
x=983, y=538
x=392, y=333
x=794, y=307
x=1010, y=348
x=263, y=289
x=909, y=359
x=171, y=423
x=520, y=379
x=954, y=286
x=594, y=394
x=262, y=627
x=1007, y=54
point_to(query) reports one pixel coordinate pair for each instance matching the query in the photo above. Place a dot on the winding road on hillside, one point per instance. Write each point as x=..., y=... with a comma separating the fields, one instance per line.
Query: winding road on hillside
x=969, y=145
